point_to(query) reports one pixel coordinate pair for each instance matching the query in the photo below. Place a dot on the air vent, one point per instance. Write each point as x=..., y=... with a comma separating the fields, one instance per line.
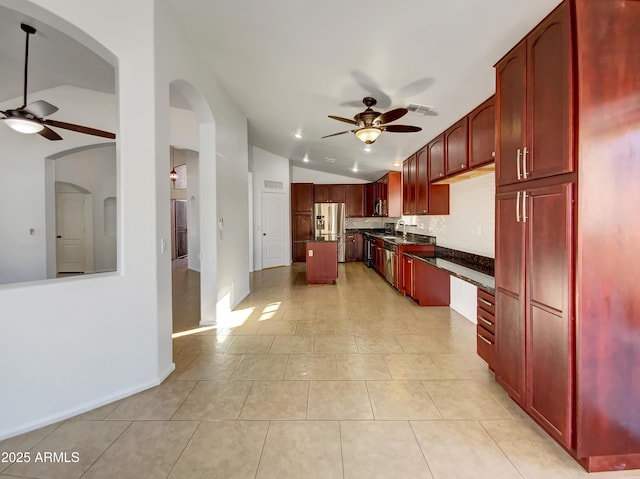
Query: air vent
x=422, y=110
x=330, y=160
x=274, y=185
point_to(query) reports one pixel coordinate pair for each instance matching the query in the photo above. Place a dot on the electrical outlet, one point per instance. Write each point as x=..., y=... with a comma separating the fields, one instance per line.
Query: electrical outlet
x=310, y=252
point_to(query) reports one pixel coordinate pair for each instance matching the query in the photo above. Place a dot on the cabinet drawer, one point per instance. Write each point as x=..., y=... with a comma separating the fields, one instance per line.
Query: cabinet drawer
x=486, y=349
x=487, y=302
x=486, y=320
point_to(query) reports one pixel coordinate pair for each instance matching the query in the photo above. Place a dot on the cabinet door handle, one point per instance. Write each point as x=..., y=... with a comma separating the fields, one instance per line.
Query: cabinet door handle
x=524, y=206
x=524, y=162
x=489, y=323
x=518, y=157
x=485, y=339
x=518, y=208
x=482, y=300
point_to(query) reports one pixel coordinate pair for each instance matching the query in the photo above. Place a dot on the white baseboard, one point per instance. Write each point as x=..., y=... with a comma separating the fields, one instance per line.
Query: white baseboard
x=88, y=406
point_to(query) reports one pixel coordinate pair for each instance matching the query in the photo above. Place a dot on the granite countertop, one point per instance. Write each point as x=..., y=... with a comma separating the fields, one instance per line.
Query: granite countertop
x=408, y=240
x=474, y=272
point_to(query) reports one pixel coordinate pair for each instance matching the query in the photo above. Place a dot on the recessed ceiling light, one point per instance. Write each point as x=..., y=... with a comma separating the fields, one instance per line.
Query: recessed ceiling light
x=355, y=169
x=367, y=149
x=298, y=135
x=396, y=163
x=306, y=159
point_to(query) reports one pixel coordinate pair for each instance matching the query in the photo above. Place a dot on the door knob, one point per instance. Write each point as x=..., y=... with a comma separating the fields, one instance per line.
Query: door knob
x=264, y=234
x=59, y=237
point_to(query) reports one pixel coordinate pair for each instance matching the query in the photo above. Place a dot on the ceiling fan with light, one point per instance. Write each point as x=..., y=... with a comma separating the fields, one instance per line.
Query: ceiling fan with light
x=371, y=123
x=30, y=118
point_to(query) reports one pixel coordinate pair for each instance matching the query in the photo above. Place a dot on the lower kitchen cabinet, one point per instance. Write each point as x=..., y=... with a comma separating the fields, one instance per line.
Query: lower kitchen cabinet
x=353, y=247
x=534, y=329
x=486, y=328
x=426, y=284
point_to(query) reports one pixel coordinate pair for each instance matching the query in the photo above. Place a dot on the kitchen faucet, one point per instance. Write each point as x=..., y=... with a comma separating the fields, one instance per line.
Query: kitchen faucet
x=404, y=227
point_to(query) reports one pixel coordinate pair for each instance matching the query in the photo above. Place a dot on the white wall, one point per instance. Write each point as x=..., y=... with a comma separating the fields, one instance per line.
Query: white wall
x=193, y=210
x=470, y=224
x=304, y=175
x=77, y=343
x=267, y=166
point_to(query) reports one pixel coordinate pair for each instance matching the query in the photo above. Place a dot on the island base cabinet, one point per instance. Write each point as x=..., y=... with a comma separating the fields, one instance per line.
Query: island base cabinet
x=431, y=286
x=322, y=262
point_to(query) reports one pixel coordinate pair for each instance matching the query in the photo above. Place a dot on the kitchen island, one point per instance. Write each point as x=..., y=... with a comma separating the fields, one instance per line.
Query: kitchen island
x=322, y=262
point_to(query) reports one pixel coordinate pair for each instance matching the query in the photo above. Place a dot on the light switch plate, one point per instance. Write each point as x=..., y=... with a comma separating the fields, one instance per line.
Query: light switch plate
x=310, y=252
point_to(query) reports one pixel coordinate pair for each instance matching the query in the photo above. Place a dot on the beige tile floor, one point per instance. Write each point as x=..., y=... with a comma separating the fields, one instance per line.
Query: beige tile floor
x=330, y=381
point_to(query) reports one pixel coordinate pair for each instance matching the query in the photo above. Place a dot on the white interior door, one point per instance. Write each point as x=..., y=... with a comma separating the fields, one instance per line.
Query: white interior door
x=70, y=232
x=272, y=229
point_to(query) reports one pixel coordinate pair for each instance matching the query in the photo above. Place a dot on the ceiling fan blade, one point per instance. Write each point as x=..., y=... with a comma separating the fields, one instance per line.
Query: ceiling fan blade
x=341, y=133
x=40, y=108
x=401, y=128
x=346, y=120
x=49, y=134
x=80, y=129
x=391, y=115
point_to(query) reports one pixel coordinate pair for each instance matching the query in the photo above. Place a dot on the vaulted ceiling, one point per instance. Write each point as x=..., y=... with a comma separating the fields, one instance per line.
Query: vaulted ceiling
x=288, y=64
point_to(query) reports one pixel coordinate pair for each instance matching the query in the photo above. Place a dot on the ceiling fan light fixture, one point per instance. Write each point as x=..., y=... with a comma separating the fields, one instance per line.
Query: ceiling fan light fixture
x=24, y=125
x=368, y=135
x=173, y=175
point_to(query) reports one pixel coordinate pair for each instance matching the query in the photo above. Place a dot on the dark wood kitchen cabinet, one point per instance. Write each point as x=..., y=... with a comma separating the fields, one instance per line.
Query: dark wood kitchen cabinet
x=301, y=219
x=482, y=129
x=353, y=247
x=486, y=327
x=302, y=197
x=329, y=193
x=354, y=201
x=567, y=272
x=436, y=158
x=409, y=185
x=431, y=285
x=419, y=197
x=456, y=143
x=534, y=96
x=535, y=329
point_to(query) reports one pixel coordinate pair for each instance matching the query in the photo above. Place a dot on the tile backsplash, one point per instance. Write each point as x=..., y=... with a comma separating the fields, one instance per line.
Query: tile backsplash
x=374, y=222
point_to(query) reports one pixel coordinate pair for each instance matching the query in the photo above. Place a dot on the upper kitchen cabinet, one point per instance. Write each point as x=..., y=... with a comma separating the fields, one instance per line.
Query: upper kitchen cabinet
x=534, y=104
x=328, y=193
x=421, y=176
x=436, y=158
x=302, y=197
x=409, y=185
x=456, y=142
x=392, y=204
x=482, y=128
x=354, y=200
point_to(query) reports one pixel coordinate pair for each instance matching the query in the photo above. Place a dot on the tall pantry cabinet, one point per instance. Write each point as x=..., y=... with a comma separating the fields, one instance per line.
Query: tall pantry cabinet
x=567, y=170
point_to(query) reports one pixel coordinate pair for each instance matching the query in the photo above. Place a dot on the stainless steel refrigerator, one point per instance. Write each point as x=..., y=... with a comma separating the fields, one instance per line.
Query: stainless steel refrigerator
x=329, y=225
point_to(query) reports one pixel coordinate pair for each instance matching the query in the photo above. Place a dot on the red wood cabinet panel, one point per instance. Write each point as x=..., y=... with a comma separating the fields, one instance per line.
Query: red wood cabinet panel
x=549, y=150
x=302, y=197
x=320, y=193
x=393, y=188
x=548, y=216
x=482, y=129
x=456, y=140
x=322, y=262
x=354, y=201
x=301, y=231
x=436, y=158
x=336, y=193
x=409, y=185
x=608, y=303
x=431, y=285
x=510, y=115
x=369, y=199
x=421, y=160
x=510, y=301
